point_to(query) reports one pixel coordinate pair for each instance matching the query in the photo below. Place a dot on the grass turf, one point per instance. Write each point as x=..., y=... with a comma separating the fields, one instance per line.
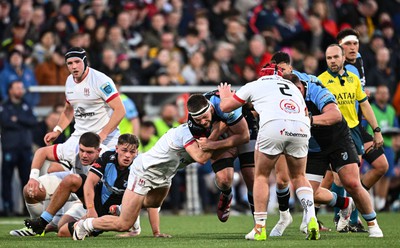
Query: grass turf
x=207, y=231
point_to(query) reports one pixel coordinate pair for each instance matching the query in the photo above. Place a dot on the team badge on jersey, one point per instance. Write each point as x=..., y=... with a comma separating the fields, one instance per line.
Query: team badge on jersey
x=107, y=89
x=289, y=106
x=86, y=92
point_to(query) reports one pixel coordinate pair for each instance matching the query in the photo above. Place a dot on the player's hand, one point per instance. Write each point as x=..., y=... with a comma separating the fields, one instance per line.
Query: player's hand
x=50, y=137
x=225, y=90
x=205, y=144
x=103, y=137
x=91, y=213
x=33, y=187
x=378, y=140
x=161, y=235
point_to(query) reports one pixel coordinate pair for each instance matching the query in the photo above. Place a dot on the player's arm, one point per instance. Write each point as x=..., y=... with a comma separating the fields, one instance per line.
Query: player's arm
x=88, y=193
x=330, y=115
x=369, y=115
x=118, y=114
x=154, y=219
x=228, y=102
x=41, y=155
x=196, y=153
x=65, y=119
x=238, y=134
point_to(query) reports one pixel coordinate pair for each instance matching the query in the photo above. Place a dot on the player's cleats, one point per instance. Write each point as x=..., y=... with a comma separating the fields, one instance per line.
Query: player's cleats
x=80, y=233
x=114, y=210
x=38, y=225
x=375, y=231
x=23, y=232
x=258, y=233
x=284, y=221
x=224, y=207
x=357, y=228
x=313, y=229
x=344, y=216
x=323, y=228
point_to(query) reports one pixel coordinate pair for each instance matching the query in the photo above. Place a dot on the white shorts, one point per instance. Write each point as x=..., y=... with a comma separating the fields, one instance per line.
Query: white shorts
x=141, y=182
x=51, y=181
x=75, y=209
x=284, y=136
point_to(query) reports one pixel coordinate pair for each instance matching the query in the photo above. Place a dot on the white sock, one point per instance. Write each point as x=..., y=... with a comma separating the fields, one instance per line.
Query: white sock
x=34, y=209
x=88, y=224
x=306, y=198
x=260, y=218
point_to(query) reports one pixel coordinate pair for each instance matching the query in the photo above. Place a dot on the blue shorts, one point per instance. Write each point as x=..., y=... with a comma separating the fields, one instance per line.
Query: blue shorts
x=356, y=135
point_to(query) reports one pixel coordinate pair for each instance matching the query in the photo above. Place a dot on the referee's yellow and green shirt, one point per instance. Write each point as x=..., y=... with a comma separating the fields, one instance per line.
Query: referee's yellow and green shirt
x=347, y=95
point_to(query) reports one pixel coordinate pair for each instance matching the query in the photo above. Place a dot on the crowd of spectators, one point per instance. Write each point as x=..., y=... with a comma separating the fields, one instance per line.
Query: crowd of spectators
x=191, y=42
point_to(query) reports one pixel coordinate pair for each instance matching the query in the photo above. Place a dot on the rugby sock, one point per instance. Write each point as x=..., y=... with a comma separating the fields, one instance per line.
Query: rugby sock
x=316, y=209
x=339, y=191
x=34, y=209
x=260, y=218
x=339, y=201
x=369, y=217
x=306, y=198
x=47, y=217
x=251, y=201
x=227, y=192
x=354, y=217
x=88, y=224
x=283, y=198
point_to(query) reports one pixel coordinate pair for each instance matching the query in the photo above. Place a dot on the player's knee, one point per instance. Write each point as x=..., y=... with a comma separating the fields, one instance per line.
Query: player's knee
x=123, y=226
x=381, y=166
x=352, y=185
x=71, y=182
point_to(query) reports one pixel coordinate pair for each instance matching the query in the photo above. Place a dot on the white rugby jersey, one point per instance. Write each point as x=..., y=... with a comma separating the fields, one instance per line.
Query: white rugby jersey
x=89, y=100
x=168, y=155
x=274, y=98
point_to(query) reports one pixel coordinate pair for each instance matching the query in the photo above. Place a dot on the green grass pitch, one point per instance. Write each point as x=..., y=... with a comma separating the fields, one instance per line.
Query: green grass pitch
x=207, y=231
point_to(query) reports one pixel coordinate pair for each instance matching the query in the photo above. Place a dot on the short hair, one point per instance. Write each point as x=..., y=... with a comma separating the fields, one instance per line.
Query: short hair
x=196, y=102
x=10, y=85
x=292, y=78
x=346, y=32
x=336, y=45
x=90, y=139
x=128, y=138
x=280, y=57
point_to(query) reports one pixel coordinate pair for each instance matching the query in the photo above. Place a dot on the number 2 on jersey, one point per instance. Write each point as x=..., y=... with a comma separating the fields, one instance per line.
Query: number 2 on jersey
x=283, y=88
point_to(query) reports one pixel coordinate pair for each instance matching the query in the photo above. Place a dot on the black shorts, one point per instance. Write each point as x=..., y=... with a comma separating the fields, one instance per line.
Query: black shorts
x=365, y=136
x=343, y=153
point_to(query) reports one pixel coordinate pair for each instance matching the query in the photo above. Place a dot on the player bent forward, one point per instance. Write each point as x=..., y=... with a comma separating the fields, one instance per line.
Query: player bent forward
x=149, y=180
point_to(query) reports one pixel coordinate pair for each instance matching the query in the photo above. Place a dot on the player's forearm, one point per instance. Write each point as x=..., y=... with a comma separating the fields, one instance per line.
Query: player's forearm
x=154, y=219
x=66, y=118
x=328, y=118
x=88, y=195
x=232, y=141
x=114, y=121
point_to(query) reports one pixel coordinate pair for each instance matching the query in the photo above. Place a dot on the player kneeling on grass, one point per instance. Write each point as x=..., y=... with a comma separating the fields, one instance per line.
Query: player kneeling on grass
x=149, y=180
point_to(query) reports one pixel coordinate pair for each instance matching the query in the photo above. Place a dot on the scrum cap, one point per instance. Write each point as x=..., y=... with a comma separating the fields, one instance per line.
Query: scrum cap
x=77, y=52
x=271, y=69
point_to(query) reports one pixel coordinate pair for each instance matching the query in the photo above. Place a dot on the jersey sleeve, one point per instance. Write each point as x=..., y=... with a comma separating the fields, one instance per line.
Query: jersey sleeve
x=187, y=137
x=320, y=95
x=105, y=87
x=361, y=96
x=243, y=94
x=98, y=167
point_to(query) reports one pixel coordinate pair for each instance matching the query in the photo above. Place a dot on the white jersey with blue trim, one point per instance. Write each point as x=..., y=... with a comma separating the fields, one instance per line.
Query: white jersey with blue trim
x=89, y=100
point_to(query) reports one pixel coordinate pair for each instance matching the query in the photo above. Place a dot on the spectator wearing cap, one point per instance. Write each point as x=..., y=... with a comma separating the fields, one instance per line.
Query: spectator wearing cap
x=19, y=30
x=52, y=72
x=17, y=121
x=15, y=69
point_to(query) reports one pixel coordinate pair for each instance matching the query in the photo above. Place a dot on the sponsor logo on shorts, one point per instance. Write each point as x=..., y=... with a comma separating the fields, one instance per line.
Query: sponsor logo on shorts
x=291, y=134
x=289, y=106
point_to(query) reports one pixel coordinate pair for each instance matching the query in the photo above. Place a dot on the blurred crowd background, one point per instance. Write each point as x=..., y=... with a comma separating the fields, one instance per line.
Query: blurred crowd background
x=183, y=43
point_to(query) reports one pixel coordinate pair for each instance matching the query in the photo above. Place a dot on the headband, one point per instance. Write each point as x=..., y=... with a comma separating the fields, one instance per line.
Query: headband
x=348, y=38
x=201, y=111
x=78, y=54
